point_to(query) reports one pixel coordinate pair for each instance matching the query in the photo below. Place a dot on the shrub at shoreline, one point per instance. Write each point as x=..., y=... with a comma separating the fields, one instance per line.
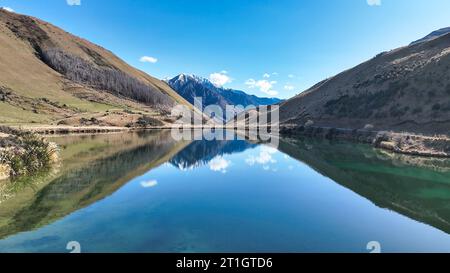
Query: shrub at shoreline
x=23, y=153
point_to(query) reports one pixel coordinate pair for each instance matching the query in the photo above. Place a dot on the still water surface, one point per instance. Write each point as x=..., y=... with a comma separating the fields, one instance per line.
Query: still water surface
x=144, y=192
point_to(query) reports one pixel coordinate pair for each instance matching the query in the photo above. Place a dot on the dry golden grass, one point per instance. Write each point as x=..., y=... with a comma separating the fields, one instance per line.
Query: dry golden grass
x=29, y=78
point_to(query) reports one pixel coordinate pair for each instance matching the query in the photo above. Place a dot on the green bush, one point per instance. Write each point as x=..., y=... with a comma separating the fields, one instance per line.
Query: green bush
x=146, y=121
x=417, y=110
x=26, y=153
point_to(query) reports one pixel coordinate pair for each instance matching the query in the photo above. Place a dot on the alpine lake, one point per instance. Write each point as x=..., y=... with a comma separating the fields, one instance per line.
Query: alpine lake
x=146, y=192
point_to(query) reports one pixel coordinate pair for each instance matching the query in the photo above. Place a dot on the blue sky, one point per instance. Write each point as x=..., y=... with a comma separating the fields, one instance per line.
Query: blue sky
x=296, y=43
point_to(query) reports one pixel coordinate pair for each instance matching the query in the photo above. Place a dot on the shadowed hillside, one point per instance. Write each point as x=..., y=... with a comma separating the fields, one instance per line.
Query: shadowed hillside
x=406, y=89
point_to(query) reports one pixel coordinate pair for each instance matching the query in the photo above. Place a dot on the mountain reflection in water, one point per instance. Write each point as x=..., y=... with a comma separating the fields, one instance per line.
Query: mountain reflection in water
x=105, y=167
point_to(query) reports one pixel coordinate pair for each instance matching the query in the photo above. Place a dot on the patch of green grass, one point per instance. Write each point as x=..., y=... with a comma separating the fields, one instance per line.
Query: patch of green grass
x=14, y=115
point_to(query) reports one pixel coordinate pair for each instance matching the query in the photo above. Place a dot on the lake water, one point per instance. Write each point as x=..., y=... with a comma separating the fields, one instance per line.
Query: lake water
x=144, y=192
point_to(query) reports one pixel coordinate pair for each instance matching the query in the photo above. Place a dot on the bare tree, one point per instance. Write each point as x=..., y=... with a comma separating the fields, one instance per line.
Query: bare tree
x=103, y=78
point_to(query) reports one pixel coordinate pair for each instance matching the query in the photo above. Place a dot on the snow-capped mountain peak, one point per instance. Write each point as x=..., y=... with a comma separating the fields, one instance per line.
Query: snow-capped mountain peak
x=190, y=86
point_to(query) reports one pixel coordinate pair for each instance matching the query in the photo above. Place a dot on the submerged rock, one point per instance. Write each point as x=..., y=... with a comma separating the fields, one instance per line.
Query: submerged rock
x=387, y=145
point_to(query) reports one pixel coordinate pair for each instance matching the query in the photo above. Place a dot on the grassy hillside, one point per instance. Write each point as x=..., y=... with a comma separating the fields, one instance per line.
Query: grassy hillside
x=407, y=89
x=48, y=76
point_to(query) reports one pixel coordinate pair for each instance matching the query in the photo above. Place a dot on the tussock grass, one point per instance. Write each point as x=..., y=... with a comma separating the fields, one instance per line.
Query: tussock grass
x=24, y=152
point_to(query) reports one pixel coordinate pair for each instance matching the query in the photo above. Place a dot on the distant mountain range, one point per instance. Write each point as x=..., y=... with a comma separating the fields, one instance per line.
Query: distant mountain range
x=406, y=89
x=191, y=86
x=201, y=152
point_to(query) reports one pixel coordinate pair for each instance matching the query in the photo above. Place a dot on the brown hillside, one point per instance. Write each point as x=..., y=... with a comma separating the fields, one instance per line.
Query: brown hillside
x=407, y=89
x=48, y=76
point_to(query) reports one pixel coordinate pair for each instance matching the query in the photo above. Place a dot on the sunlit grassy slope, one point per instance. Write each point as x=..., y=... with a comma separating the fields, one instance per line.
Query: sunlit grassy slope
x=32, y=92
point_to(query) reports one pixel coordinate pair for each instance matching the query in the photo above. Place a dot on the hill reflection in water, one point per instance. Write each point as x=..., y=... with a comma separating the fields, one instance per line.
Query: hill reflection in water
x=146, y=192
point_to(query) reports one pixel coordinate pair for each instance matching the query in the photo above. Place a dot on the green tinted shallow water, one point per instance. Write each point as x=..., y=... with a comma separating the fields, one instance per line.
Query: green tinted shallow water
x=144, y=192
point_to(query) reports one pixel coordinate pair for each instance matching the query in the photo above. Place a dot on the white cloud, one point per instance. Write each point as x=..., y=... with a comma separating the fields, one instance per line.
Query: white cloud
x=219, y=164
x=149, y=184
x=291, y=76
x=251, y=83
x=264, y=86
x=74, y=2
x=8, y=9
x=220, y=79
x=289, y=87
x=268, y=75
x=374, y=2
x=148, y=59
x=272, y=93
x=264, y=157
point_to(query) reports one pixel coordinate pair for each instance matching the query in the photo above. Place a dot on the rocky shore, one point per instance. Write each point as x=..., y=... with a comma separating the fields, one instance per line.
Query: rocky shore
x=403, y=143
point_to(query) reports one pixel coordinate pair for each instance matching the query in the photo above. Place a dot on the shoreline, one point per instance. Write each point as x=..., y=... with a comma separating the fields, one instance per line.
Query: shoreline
x=64, y=130
x=402, y=143
x=24, y=152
